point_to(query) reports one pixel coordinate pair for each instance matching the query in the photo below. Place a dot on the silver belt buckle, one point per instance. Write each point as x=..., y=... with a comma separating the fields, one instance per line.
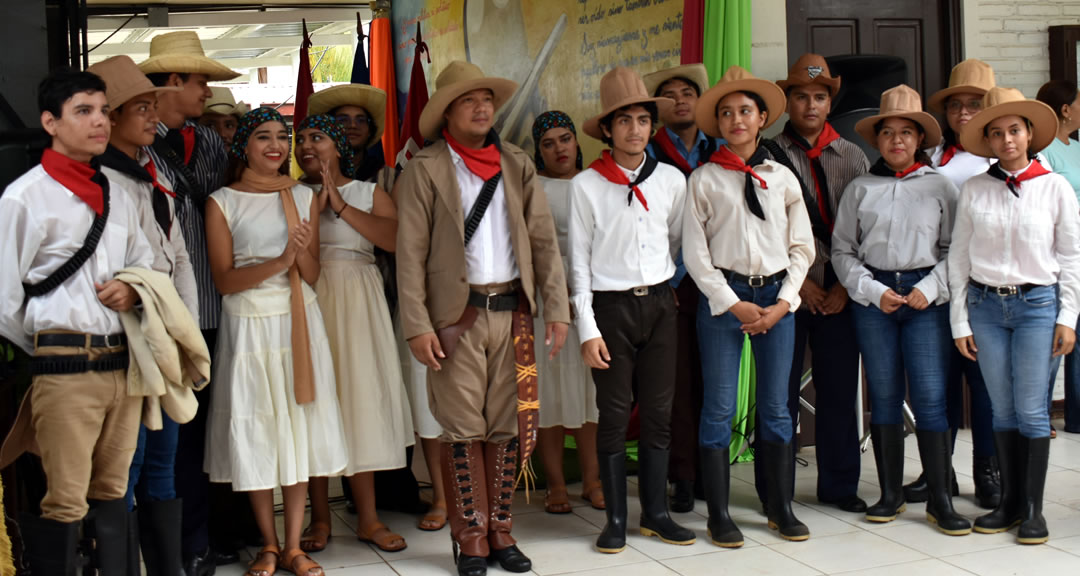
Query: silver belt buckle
x=488, y=302
x=755, y=281
x=1007, y=290
x=641, y=291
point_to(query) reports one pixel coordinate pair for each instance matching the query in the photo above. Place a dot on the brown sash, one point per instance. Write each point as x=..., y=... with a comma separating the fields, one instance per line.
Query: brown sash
x=528, y=403
x=303, y=371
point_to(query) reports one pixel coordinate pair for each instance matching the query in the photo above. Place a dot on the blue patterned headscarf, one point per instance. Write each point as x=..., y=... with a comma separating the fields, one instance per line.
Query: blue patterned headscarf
x=247, y=125
x=329, y=125
x=547, y=121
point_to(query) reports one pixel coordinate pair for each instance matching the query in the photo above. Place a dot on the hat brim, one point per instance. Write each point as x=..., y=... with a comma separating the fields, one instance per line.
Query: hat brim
x=930, y=126
x=936, y=102
x=367, y=97
x=696, y=73
x=592, y=125
x=833, y=84
x=770, y=92
x=1043, y=126
x=431, y=118
x=188, y=64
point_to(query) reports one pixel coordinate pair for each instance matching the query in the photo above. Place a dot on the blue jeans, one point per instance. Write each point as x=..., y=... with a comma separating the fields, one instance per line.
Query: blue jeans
x=721, y=340
x=152, y=476
x=1072, y=388
x=908, y=341
x=1014, y=335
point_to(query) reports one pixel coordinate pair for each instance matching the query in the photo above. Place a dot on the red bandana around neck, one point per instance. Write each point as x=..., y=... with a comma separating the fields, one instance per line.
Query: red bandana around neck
x=817, y=170
x=663, y=140
x=152, y=171
x=188, y=132
x=949, y=153
x=1034, y=170
x=731, y=161
x=609, y=169
x=485, y=162
x=76, y=177
x=909, y=170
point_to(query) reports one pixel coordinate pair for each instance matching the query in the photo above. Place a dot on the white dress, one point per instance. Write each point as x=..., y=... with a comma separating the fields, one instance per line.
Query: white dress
x=567, y=393
x=258, y=437
x=374, y=405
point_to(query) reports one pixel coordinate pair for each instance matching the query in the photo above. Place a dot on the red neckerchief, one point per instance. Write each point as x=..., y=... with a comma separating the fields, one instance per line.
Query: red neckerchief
x=1034, y=170
x=949, y=152
x=607, y=167
x=731, y=161
x=485, y=162
x=664, y=141
x=76, y=177
x=880, y=168
x=152, y=170
x=817, y=171
x=188, y=132
x=909, y=170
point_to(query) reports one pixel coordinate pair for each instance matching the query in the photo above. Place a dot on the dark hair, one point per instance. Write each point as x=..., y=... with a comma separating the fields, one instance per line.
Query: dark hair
x=60, y=85
x=160, y=79
x=691, y=83
x=606, y=121
x=758, y=101
x=1057, y=93
x=370, y=123
x=1030, y=154
x=920, y=155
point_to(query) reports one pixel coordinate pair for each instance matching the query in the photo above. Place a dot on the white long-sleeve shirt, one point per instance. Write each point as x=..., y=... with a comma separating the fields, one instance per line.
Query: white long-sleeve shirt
x=489, y=257
x=42, y=224
x=615, y=247
x=1004, y=240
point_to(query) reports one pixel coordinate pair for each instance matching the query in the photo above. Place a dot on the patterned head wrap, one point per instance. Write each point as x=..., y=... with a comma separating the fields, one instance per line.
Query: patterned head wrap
x=247, y=125
x=547, y=121
x=329, y=125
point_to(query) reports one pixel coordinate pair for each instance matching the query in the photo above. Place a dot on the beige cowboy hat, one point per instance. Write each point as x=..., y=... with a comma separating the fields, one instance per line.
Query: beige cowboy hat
x=458, y=78
x=695, y=73
x=367, y=97
x=810, y=69
x=222, y=102
x=124, y=80
x=901, y=102
x=737, y=79
x=619, y=88
x=968, y=77
x=1000, y=102
x=182, y=52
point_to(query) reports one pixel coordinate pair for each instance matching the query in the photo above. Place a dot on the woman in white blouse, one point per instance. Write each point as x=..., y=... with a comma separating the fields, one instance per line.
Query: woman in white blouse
x=889, y=247
x=1014, y=274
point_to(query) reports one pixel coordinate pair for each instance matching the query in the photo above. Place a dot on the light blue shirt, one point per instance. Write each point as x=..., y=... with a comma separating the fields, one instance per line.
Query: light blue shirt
x=1065, y=160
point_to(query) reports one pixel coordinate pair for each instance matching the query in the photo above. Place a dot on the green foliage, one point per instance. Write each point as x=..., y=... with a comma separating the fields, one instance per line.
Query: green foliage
x=335, y=64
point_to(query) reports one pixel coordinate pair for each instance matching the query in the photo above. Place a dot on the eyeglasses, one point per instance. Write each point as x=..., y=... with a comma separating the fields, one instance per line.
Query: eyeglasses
x=358, y=120
x=955, y=106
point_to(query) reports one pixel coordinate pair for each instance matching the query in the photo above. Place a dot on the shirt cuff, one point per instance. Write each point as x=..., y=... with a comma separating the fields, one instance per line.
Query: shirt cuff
x=928, y=286
x=1067, y=317
x=961, y=330
x=874, y=292
x=587, y=329
x=789, y=293
x=722, y=301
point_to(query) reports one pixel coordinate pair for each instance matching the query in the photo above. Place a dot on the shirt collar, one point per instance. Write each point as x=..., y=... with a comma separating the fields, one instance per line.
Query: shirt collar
x=701, y=137
x=633, y=174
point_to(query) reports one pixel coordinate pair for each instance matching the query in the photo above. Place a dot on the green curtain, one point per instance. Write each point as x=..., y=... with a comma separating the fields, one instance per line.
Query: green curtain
x=727, y=36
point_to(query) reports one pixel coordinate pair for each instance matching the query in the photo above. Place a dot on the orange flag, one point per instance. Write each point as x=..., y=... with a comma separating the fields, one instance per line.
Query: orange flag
x=382, y=76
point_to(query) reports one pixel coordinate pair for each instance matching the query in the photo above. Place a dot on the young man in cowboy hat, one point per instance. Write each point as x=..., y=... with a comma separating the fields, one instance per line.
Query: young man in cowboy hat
x=825, y=163
x=475, y=242
x=193, y=158
x=625, y=231
x=361, y=109
x=681, y=144
x=222, y=112
x=64, y=234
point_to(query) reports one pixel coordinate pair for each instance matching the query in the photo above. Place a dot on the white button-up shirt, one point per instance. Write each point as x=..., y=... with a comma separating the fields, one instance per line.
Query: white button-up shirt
x=489, y=257
x=615, y=247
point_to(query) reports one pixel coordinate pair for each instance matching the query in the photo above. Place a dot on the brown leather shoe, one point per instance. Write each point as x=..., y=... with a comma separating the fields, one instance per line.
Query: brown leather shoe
x=501, y=461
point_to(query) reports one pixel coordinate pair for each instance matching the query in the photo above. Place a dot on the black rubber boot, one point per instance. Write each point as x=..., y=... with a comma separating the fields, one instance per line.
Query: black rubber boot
x=716, y=473
x=652, y=490
x=50, y=546
x=987, y=482
x=917, y=491
x=937, y=465
x=682, y=499
x=133, y=545
x=613, y=481
x=780, y=465
x=159, y=524
x=888, y=441
x=1007, y=513
x=1032, y=524
x=109, y=521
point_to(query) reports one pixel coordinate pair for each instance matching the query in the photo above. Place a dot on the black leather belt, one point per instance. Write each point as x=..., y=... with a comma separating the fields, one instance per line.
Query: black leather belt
x=754, y=281
x=78, y=364
x=898, y=273
x=79, y=340
x=1003, y=290
x=495, y=302
x=640, y=290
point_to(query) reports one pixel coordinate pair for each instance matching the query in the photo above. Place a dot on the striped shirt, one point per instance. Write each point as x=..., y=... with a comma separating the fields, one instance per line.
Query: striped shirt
x=208, y=164
x=843, y=161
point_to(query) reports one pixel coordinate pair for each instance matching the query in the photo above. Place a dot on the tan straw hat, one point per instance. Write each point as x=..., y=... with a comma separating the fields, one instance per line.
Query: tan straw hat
x=182, y=52
x=371, y=99
x=968, y=77
x=737, y=79
x=124, y=80
x=458, y=78
x=901, y=102
x=222, y=102
x=1000, y=102
x=810, y=69
x=695, y=73
x=621, y=87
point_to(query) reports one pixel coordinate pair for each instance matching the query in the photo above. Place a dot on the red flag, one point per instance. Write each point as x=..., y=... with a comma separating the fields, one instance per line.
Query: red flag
x=304, y=88
x=693, y=31
x=411, y=139
x=382, y=76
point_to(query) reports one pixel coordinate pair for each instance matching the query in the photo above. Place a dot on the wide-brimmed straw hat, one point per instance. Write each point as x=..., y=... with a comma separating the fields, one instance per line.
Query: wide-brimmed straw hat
x=968, y=77
x=901, y=102
x=223, y=102
x=737, y=79
x=810, y=69
x=124, y=80
x=367, y=97
x=1000, y=102
x=619, y=88
x=459, y=78
x=695, y=73
x=182, y=52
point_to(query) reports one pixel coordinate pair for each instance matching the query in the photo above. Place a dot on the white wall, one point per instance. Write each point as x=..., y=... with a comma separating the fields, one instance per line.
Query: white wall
x=768, y=45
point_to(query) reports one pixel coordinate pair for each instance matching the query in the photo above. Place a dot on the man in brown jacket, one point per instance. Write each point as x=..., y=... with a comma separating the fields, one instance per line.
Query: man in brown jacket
x=475, y=242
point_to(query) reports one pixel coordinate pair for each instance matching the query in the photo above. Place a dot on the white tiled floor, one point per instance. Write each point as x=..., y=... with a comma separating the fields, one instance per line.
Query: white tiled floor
x=840, y=543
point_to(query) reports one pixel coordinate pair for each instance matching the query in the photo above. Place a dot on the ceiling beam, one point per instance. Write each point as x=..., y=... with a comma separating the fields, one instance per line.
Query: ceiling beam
x=235, y=18
x=143, y=48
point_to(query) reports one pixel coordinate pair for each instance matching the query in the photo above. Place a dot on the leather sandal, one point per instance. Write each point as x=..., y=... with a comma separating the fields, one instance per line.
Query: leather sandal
x=299, y=563
x=382, y=537
x=260, y=567
x=315, y=537
x=557, y=501
x=594, y=495
x=434, y=520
